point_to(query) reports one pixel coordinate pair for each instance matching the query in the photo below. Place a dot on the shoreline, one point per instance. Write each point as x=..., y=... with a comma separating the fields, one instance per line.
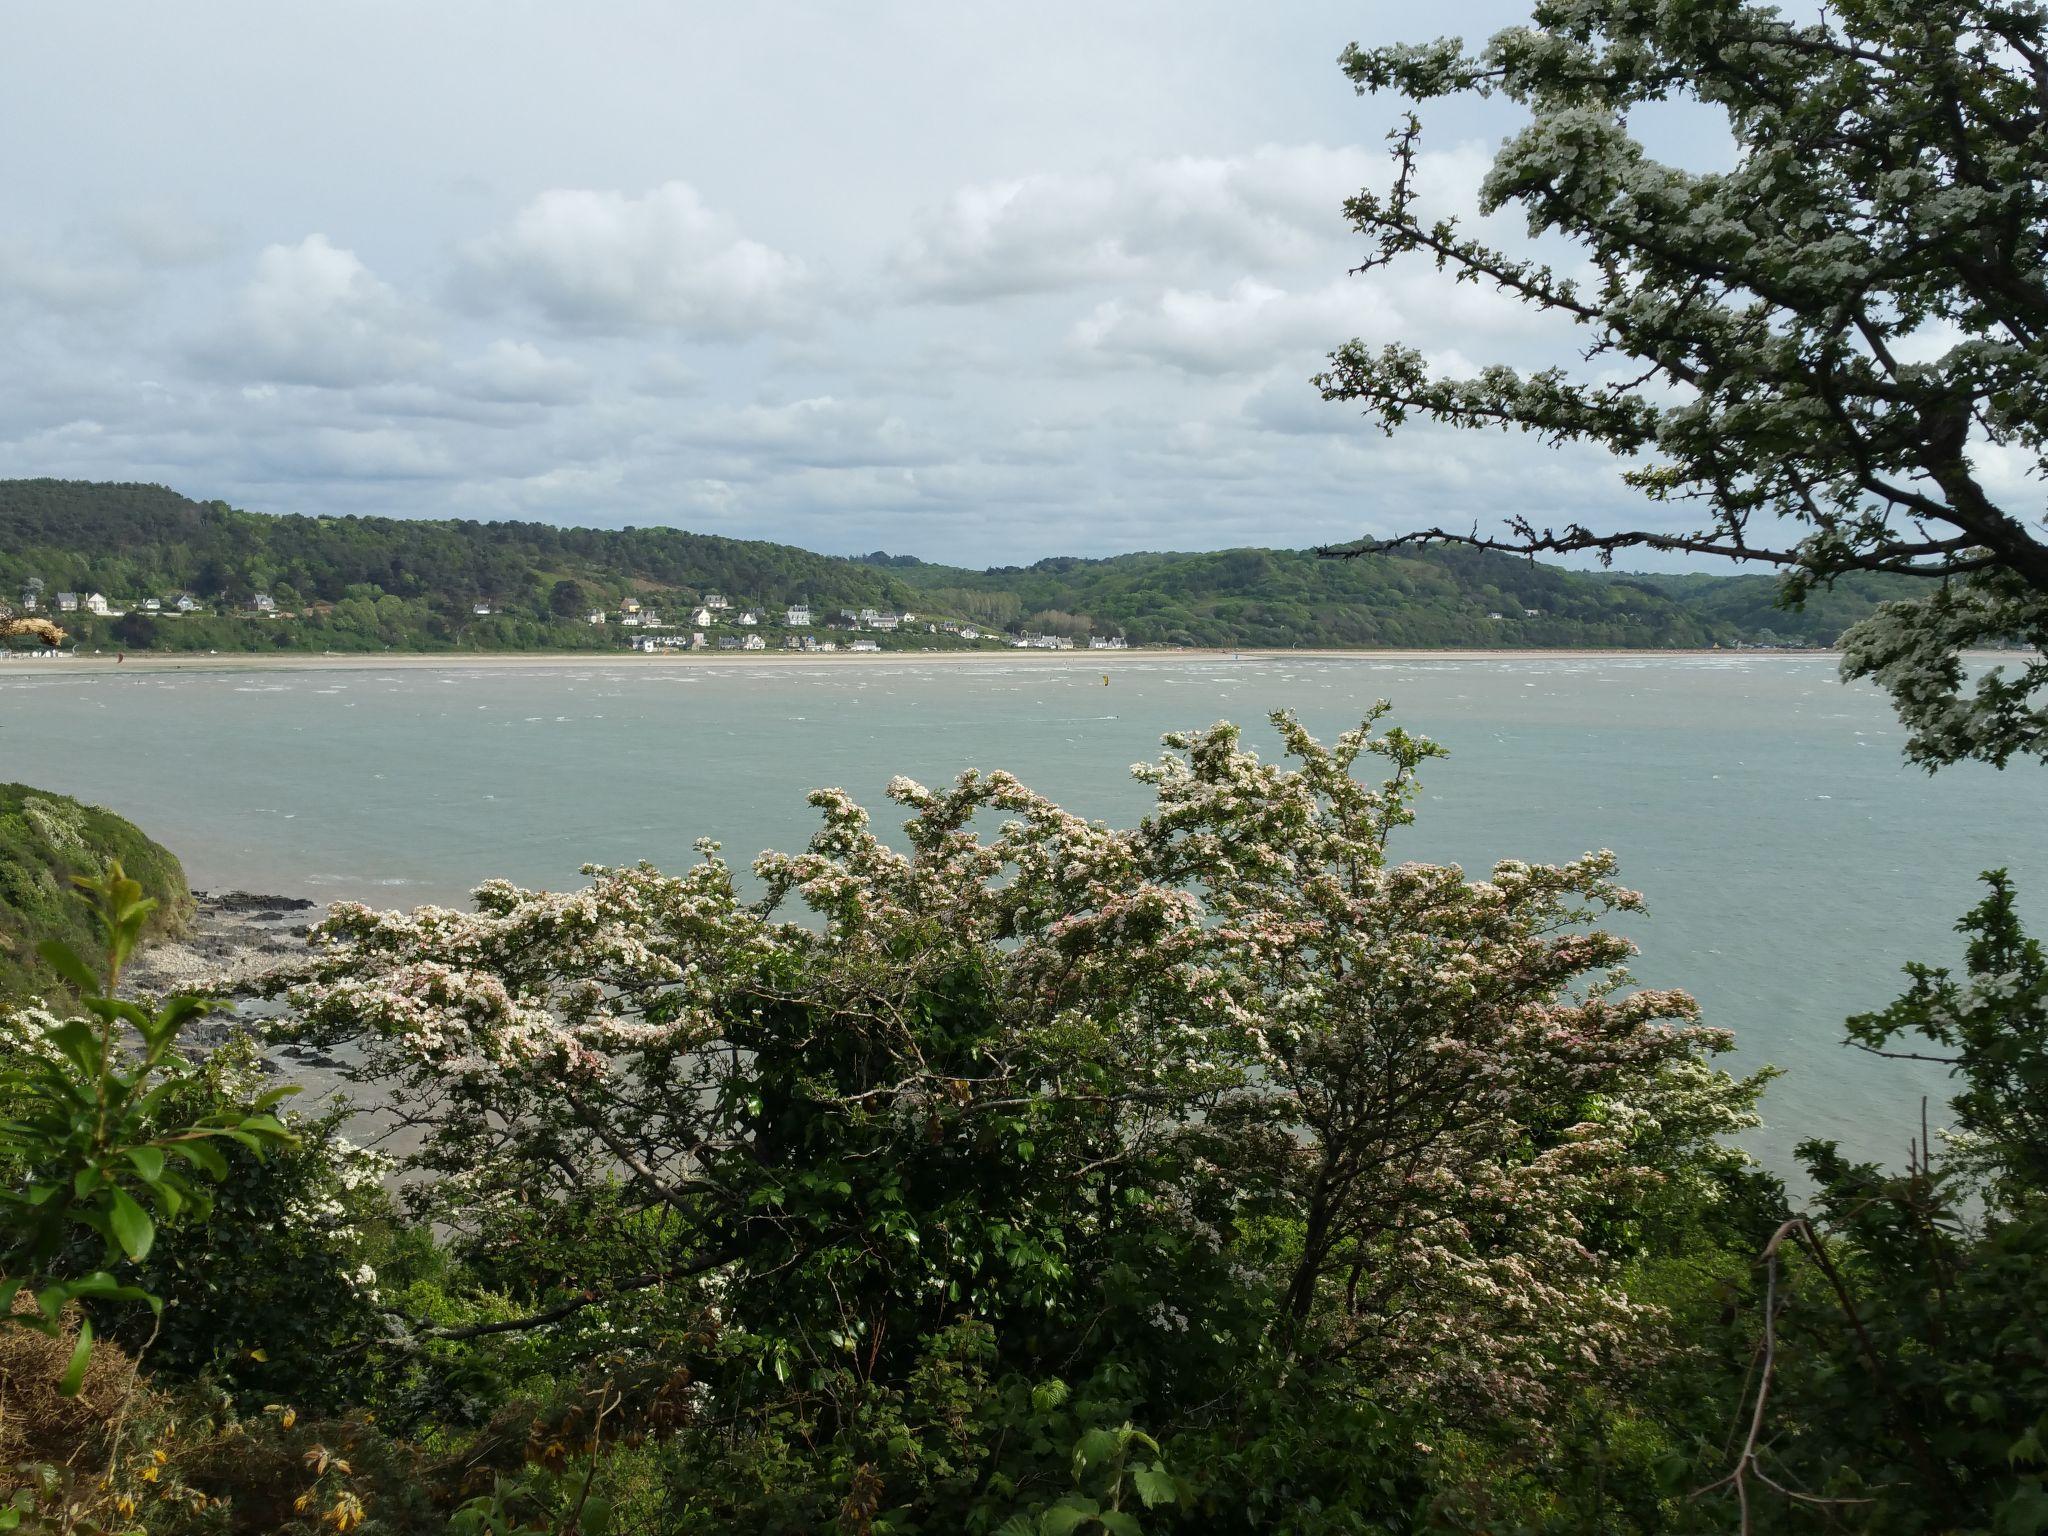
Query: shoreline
x=336, y=661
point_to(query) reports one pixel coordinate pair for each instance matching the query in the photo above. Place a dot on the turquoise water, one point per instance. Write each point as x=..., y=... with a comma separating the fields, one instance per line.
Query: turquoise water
x=1792, y=861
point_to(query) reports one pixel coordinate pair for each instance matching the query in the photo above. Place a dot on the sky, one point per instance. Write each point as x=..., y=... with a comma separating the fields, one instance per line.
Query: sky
x=981, y=284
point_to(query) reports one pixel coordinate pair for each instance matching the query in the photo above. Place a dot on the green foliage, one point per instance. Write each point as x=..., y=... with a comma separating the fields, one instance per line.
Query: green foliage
x=1812, y=340
x=367, y=584
x=46, y=842
x=1908, y=1387
x=282, y=1269
x=88, y=1143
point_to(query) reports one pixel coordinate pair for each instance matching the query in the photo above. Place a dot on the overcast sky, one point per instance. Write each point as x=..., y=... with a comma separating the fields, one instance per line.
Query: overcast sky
x=977, y=283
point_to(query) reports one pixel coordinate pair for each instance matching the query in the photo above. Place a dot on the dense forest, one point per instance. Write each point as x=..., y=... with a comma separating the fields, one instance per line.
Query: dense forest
x=372, y=583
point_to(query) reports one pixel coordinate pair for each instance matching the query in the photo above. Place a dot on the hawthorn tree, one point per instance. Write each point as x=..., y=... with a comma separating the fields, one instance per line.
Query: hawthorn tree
x=1376, y=1112
x=1837, y=346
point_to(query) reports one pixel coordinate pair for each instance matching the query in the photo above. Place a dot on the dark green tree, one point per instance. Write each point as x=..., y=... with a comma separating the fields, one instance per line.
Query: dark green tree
x=1817, y=344
x=567, y=601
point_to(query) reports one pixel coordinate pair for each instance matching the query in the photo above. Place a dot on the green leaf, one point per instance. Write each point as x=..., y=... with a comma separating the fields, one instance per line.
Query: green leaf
x=1068, y=1515
x=148, y=1161
x=81, y=1356
x=103, y=1286
x=1117, y=1523
x=59, y=958
x=80, y=1046
x=203, y=1155
x=133, y=1229
x=1155, y=1485
x=596, y=1518
x=1093, y=1449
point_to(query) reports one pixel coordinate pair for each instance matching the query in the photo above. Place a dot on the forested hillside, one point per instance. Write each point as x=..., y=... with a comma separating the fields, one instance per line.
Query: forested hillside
x=360, y=583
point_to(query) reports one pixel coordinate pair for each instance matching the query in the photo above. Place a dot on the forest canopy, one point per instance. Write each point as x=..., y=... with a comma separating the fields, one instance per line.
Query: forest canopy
x=371, y=583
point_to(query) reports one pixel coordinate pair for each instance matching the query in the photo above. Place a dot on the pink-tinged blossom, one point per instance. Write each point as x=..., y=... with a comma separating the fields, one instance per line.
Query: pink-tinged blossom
x=1444, y=1079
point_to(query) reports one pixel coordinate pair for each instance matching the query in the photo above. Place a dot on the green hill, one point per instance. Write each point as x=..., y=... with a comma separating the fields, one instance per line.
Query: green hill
x=373, y=583
x=46, y=839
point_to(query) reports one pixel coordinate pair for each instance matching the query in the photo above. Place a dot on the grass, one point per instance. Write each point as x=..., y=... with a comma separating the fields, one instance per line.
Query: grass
x=46, y=839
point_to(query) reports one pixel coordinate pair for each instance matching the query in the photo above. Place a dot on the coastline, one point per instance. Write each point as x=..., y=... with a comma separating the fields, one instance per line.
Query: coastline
x=332, y=661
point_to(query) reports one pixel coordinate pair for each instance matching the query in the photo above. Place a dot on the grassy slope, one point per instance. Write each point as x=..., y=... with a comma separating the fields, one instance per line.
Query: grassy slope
x=45, y=839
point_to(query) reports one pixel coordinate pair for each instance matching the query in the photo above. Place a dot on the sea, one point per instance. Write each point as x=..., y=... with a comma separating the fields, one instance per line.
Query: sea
x=1793, y=861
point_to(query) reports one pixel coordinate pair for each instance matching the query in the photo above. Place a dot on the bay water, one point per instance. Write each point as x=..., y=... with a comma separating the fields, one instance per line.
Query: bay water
x=1792, y=860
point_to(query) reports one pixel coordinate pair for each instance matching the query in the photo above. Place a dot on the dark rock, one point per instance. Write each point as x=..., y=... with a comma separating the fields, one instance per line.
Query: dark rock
x=265, y=908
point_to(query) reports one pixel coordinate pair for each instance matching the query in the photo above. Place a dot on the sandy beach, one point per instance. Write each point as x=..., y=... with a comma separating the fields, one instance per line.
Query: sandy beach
x=293, y=661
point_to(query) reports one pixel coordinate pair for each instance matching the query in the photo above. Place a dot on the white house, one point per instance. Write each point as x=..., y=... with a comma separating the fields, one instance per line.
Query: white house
x=97, y=603
x=715, y=601
x=1107, y=643
x=28, y=600
x=185, y=602
x=152, y=605
x=703, y=615
x=67, y=602
x=481, y=610
x=263, y=602
x=865, y=645
x=750, y=618
x=1532, y=613
x=631, y=620
x=753, y=643
x=797, y=616
x=697, y=641
x=969, y=632
x=596, y=616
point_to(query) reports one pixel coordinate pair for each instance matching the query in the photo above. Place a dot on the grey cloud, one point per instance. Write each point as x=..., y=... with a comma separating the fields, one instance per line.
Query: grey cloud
x=606, y=262
x=50, y=279
x=1241, y=330
x=1272, y=205
x=314, y=314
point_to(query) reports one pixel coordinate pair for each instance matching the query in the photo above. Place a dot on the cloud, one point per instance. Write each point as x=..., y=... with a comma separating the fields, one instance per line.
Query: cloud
x=1241, y=330
x=822, y=432
x=1273, y=205
x=158, y=235
x=606, y=262
x=519, y=373
x=313, y=314
x=62, y=282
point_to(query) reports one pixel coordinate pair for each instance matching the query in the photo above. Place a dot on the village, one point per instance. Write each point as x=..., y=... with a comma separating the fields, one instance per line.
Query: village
x=710, y=622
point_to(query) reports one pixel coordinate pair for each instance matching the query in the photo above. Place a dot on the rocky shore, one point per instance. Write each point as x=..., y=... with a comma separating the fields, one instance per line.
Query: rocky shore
x=232, y=941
